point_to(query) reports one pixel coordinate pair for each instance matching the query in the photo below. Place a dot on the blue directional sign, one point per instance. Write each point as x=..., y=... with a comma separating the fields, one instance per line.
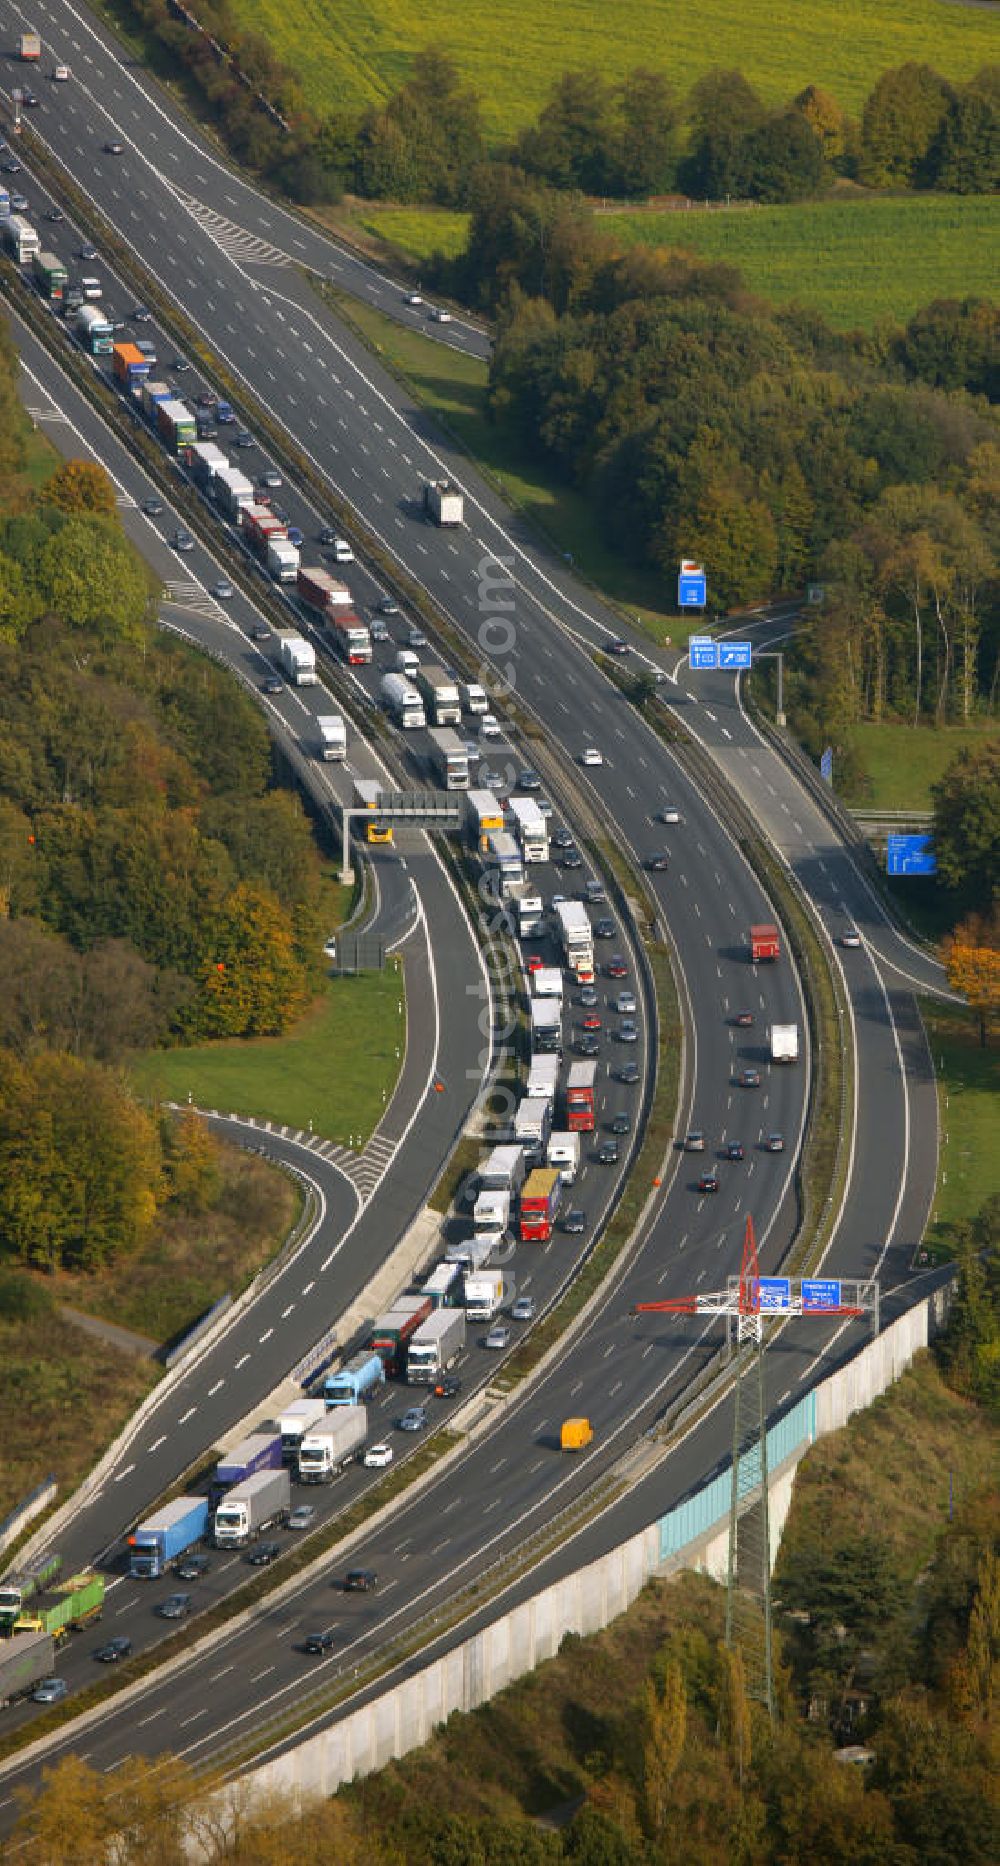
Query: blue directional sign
x=826, y=765
x=820, y=1292
x=910, y=855
x=775, y=1292
x=735, y=653
x=703, y=651
x=692, y=589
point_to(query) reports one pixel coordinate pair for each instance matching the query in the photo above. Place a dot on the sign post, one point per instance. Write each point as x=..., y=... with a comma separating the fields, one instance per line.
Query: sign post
x=692, y=585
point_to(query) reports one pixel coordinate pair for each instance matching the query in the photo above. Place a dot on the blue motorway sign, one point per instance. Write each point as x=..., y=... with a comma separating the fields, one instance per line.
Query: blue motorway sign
x=692, y=590
x=820, y=1292
x=910, y=855
x=703, y=651
x=734, y=654
x=775, y=1292
x=826, y=765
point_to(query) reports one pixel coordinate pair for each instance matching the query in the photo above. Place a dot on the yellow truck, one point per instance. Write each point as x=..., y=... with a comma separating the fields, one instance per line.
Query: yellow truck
x=576, y=1434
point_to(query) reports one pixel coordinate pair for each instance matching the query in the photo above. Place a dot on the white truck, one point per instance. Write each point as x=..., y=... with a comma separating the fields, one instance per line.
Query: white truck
x=324, y=1453
x=21, y=239
x=491, y=1212
x=249, y=1508
x=483, y=1295
x=283, y=560
x=296, y=1420
x=233, y=492
x=298, y=660
x=502, y=1170
x=531, y=918
x=400, y=698
x=440, y=695
x=563, y=1151
x=435, y=1346
x=332, y=736
x=547, y=982
x=784, y=1043
x=543, y=1077
x=531, y=828
x=443, y=502
x=546, y=1026
x=576, y=936
x=532, y=1125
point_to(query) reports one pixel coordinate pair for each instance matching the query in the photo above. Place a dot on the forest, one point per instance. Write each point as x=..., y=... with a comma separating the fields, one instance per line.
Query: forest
x=156, y=885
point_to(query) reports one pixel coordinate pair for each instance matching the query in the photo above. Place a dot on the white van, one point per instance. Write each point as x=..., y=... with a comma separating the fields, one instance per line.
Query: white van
x=407, y=662
x=91, y=288
x=474, y=697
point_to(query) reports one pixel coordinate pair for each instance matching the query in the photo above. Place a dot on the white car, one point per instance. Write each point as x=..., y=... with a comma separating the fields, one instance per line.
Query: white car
x=440, y=317
x=850, y=937
x=489, y=726
x=330, y=946
x=670, y=814
x=61, y=74
x=414, y=298
x=591, y=756
x=377, y=1457
x=342, y=551
x=498, y=1337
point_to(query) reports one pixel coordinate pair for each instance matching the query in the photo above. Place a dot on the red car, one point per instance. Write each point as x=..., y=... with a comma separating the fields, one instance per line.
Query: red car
x=533, y=962
x=591, y=1021
x=616, y=967
x=709, y=1182
x=744, y=1019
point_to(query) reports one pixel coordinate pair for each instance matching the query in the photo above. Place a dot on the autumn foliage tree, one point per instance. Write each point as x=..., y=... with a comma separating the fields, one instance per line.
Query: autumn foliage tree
x=81, y=486
x=972, y=959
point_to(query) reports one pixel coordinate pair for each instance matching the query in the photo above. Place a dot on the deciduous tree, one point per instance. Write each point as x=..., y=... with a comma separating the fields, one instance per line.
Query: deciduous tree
x=81, y=486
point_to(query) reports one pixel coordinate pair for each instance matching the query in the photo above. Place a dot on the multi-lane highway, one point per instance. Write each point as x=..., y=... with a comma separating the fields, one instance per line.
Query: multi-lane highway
x=363, y=433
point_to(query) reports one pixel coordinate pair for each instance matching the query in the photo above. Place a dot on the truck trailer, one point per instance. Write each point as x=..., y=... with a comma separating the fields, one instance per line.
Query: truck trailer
x=444, y=1285
x=282, y=559
x=326, y=1451
x=261, y=1451
x=435, y=1347
x=576, y=937
x=298, y=1419
x=483, y=1295
x=402, y=701
x=253, y=1506
x=443, y=502
x=24, y=1662
x=546, y=1026
x=533, y=1125
x=581, y=1079
x=448, y=757
x=176, y=425
x=130, y=366
x=440, y=695
x=502, y=1170
x=51, y=276
x=390, y=1334
x=321, y=591
x=356, y=1381
x=233, y=491
x=784, y=1041
x=541, y=1197
x=543, y=1077
x=473, y=1254
x=484, y=817
x=76, y=1602
x=167, y=1534
x=21, y=239
x=298, y=660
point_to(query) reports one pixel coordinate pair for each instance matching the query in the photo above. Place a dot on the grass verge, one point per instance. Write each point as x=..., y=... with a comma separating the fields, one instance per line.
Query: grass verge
x=902, y=762
x=968, y=1099
x=301, y=1080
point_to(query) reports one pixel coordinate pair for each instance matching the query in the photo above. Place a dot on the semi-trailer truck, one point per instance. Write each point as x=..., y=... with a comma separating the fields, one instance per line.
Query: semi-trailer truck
x=354, y=1383
x=176, y=425
x=576, y=937
x=332, y=736
x=483, y=1295
x=448, y=758
x=24, y=1662
x=296, y=1420
x=390, y=1334
x=764, y=943
x=258, y=1504
x=350, y=636
x=51, y=276
x=443, y=502
x=261, y=1451
x=435, y=1347
x=21, y=239
x=444, y=1285
x=784, y=1040
x=546, y=1026
x=321, y=591
x=41, y=1572
x=326, y=1451
x=440, y=695
x=543, y=1077
x=78, y=1601
x=93, y=330
x=484, y=817
x=298, y=660
x=282, y=559
x=400, y=698
x=541, y=1197
x=530, y=827
x=233, y=491
x=502, y=1170
x=532, y=1125
x=581, y=1080
x=166, y=1535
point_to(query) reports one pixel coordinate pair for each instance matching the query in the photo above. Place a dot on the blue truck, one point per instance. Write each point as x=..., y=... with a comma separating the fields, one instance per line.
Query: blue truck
x=260, y=1452
x=169, y=1533
x=352, y=1383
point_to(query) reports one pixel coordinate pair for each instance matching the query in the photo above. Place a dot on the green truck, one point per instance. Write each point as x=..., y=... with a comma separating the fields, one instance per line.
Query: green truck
x=51, y=276
x=76, y=1602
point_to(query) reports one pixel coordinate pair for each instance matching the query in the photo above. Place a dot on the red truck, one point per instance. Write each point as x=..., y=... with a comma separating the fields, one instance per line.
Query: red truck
x=580, y=1082
x=391, y=1333
x=764, y=943
x=541, y=1196
x=261, y=527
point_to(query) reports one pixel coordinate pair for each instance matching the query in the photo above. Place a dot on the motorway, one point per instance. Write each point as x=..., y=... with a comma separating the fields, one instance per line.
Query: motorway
x=377, y=448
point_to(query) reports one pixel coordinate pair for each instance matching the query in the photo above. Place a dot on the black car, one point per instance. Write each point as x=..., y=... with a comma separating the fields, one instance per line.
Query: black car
x=360, y=1581
x=629, y=1072
x=447, y=1387
x=179, y=365
x=175, y=1607
x=573, y=1221
x=272, y=685
x=29, y=100
x=529, y=780
x=388, y=606
x=561, y=839
x=616, y=646
x=264, y=1554
x=586, y=1045
x=243, y=439
x=153, y=508
x=658, y=863
x=570, y=858
x=115, y=1649
x=327, y=535
x=735, y=1150
x=141, y=314
x=318, y=1643
x=607, y=1153
x=207, y=398
x=54, y=214
x=86, y=251
x=604, y=929
x=192, y=1567
x=260, y=632
x=621, y=1124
